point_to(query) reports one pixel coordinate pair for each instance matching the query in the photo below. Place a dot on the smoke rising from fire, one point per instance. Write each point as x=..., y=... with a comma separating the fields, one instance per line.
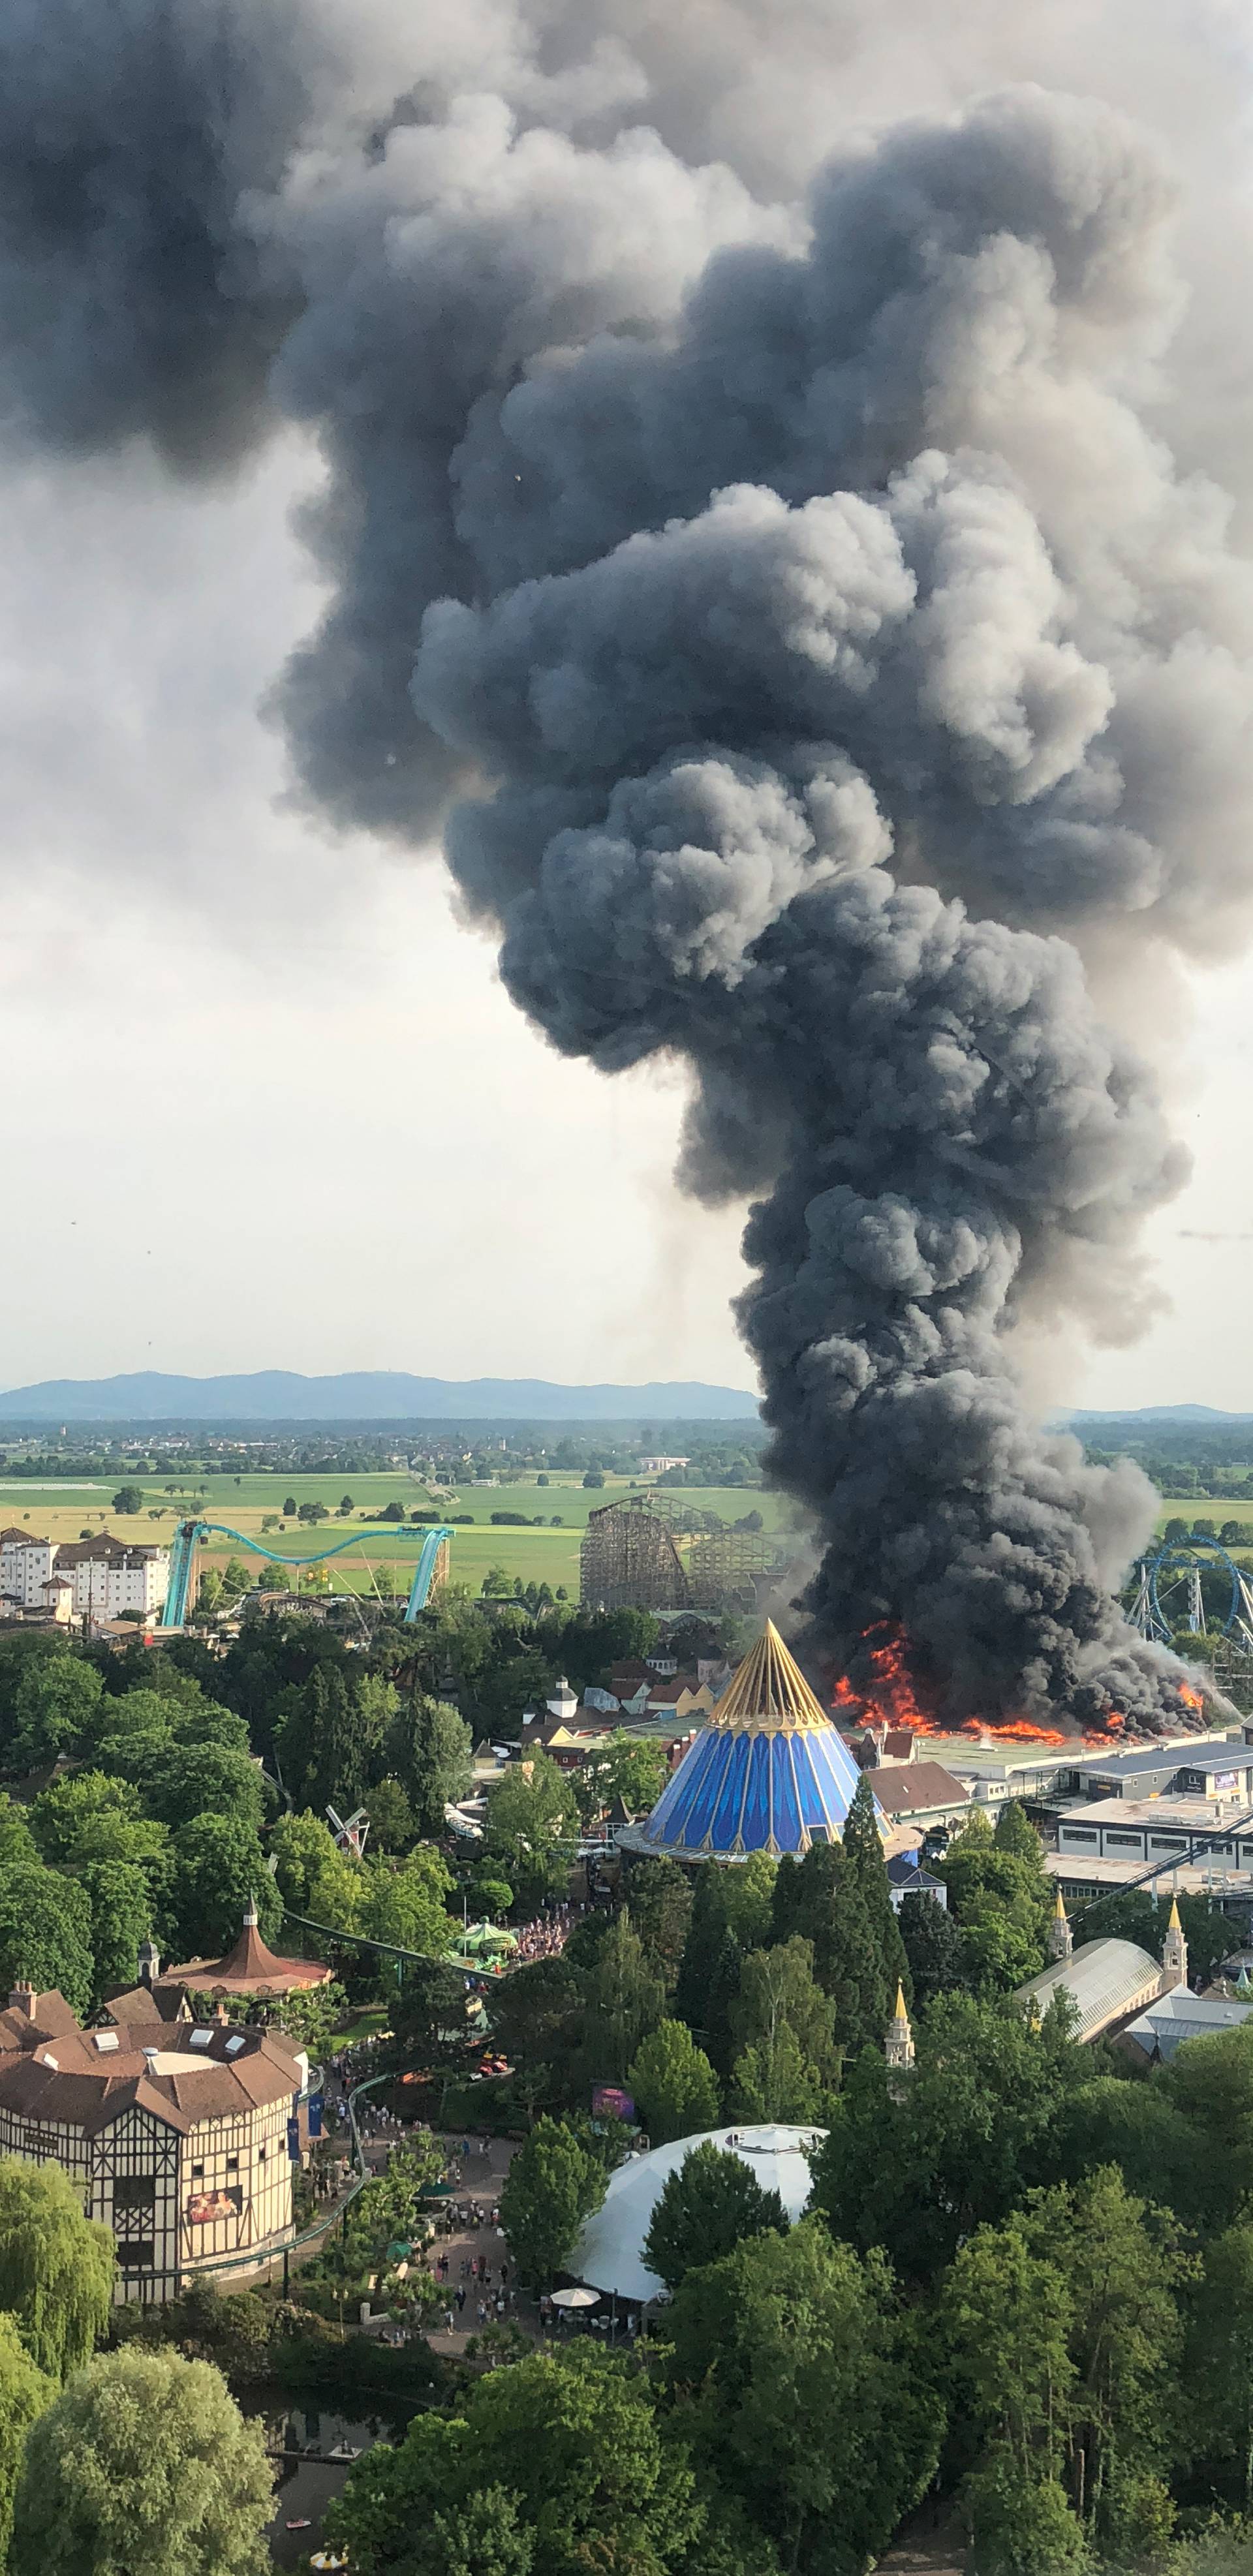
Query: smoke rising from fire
x=786, y=606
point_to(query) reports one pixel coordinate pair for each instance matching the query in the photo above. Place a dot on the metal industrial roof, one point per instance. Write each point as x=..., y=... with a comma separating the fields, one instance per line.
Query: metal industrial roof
x=1181, y=2015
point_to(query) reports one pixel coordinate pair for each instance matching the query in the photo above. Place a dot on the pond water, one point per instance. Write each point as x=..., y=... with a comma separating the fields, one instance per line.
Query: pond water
x=298, y=2425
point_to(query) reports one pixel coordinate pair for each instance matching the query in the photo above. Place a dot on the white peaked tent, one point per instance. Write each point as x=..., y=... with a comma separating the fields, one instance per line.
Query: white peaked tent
x=610, y=2251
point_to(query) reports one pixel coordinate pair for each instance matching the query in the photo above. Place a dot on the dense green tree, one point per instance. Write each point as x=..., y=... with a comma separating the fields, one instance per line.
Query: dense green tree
x=45, y=1932
x=144, y=2462
x=56, y=2267
x=485, y=2536
x=572, y=2438
x=428, y=1746
x=659, y=1902
x=54, y=1704
x=218, y=1865
x=917, y=2169
x=195, y=1780
x=748, y=1898
x=406, y=1904
x=131, y=1733
x=1006, y=2315
x=862, y=1849
x=392, y=1827
x=121, y=1917
x=128, y=1501
x=785, y=2056
x=623, y=2000
x=706, y=2207
x=1022, y=2526
x=801, y=2398
x=24, y=2394
x=531, y=1828
x=16, y=1839
x=632, y=1771
x=933, y=1947
x=1210, y=2083
x=313, y=1876
x=90, y=1816
x=553, y=2184
x=1001, y=1898
x=673, y=2085
x=1122, y=2262
x=709, y=1974
x=429, y=2016
x=537, y=2019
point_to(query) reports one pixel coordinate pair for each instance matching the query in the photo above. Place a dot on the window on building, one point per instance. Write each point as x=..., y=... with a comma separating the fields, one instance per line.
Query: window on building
x=1125, y=1842
x=135, y=2191
x=232, y=2164
x=1168, y=1842
x=197, y=2173
x=137, y=2255
x=1081, y=1834
x=260, y=2155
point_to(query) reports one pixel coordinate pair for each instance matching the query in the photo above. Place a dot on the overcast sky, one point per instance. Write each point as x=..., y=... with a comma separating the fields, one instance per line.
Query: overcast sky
x=265, y=1102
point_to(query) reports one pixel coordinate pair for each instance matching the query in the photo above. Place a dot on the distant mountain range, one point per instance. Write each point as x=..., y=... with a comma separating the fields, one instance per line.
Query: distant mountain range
x=1161, y=1413
x=364, y=1395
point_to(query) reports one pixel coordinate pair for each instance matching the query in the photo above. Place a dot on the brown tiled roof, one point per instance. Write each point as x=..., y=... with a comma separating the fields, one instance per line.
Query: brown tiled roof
x=247, y=1969
x=903, y=1785
x=88, y=2087
x=139, y=2003
x=21, y=1538
x=49, y=2017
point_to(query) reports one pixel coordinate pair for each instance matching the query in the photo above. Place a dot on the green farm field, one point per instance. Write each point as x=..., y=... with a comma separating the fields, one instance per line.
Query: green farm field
x=61, y=1511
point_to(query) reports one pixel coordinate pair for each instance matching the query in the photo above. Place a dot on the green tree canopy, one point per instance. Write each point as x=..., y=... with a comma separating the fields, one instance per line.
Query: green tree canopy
x=314, y=1877
x=673, y=2084
x=531, y=1827
x=1000, y=1895
x=144, y=2462
x=428, y=1746
x=553, y=2184
x=659, y=1902
x=121, y=1917
x=54, y=1704
x=572, y=2439
x=45, y=1932
x=918, y=2170
x=195, y=1780
x=406, y=1904
x=88, y=1816
x=218, y=1865
x=24, y=2394
x=56, y=2267
x=706, y=2207
x=128, y=1501
x=933, y=1946
x=786, y=2059
x=623, y=2000
x=807, y=2407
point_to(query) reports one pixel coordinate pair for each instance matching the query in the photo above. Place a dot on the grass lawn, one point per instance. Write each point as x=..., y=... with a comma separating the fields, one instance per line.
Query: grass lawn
x=367, y=2024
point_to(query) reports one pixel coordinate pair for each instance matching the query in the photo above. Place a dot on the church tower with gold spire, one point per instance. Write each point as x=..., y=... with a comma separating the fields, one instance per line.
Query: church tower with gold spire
x=898, y=2045
x=1174, y=1951
x=768, y=1771
x=1061, y=1939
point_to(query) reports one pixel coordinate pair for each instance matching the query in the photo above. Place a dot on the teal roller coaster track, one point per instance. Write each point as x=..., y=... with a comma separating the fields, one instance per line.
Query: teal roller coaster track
x=189, y=1534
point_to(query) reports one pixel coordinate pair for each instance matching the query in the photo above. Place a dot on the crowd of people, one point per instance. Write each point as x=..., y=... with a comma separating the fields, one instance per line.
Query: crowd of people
x=546, y=1935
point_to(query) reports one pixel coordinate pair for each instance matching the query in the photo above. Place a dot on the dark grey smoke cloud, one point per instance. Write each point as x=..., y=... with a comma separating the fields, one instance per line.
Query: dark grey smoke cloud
x=794, y=619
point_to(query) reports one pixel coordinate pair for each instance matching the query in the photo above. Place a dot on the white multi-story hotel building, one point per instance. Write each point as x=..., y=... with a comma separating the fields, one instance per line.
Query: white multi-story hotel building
x=177, y=2129
x=26, y=1568
x=106, y=1575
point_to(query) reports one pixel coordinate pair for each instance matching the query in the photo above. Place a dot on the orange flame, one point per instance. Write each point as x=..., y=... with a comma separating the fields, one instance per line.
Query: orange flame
x=891, y=1699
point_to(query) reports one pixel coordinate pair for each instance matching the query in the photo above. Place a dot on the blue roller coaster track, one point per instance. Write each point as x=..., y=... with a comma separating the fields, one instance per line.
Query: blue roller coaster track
x=189, y=1534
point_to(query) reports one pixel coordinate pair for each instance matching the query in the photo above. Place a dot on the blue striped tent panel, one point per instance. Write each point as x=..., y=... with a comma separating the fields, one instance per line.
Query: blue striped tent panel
x=811, y=1787
x=755, y=1827
x=829, y=1760
x=693, y=1816
x=672, y=1805
x=785, y=1806
x=726, y=1823
x=669, y=1815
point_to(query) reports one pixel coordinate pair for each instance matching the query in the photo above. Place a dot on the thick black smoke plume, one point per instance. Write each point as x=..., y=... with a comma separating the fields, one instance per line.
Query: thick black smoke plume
x=798, y=630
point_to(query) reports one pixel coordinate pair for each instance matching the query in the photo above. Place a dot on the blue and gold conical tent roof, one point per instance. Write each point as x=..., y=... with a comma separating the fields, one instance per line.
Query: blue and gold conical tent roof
x=768, y=1772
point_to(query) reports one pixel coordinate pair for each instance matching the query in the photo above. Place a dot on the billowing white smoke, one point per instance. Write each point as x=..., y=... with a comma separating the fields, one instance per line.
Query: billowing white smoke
x=794, y=622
